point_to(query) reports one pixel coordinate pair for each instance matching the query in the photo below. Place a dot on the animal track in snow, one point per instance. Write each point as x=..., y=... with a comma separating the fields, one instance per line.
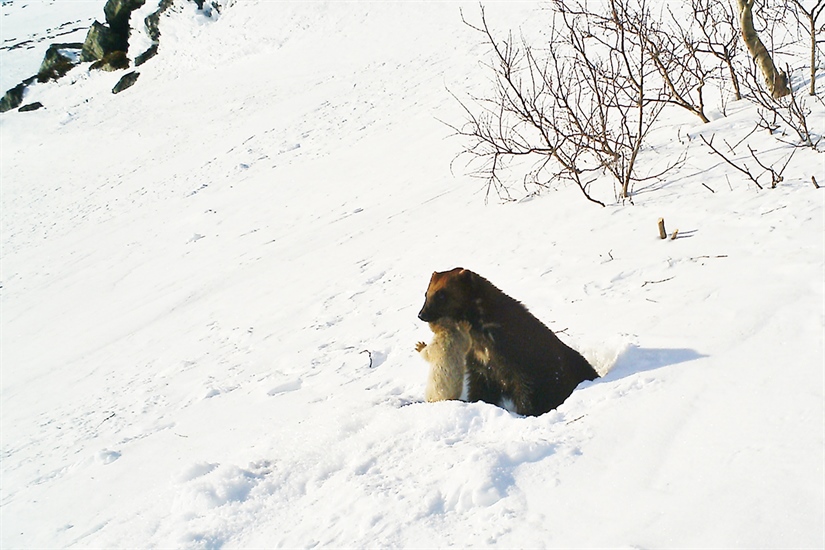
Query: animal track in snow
x=107, y=457
x=286, y=387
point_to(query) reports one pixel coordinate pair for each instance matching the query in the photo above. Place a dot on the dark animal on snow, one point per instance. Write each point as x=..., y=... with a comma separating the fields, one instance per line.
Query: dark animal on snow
x=514, y=359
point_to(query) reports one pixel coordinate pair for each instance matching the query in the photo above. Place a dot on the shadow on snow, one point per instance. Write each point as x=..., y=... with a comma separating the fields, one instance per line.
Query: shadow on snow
x=634, y=360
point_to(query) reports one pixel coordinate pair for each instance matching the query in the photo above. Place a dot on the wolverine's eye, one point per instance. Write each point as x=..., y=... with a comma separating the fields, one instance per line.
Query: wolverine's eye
x=439, y=296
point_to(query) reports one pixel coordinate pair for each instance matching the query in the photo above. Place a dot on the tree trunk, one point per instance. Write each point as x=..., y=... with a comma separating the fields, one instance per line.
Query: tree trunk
x=812, y=22
x=776, y=80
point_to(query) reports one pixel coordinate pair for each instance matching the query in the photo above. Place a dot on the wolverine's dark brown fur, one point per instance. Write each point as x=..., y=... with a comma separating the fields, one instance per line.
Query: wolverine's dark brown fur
x=513, y=356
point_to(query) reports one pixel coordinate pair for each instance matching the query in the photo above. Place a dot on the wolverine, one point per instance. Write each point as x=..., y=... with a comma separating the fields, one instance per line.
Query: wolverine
x=447, y=355
x=513, y=358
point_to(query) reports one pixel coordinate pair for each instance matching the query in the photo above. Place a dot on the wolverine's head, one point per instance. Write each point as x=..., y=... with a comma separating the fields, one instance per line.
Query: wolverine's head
x=449, y=295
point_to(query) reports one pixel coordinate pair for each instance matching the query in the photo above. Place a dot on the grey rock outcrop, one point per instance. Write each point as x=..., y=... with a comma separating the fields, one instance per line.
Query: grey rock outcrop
x=118, y=12
x=127, y=81
x=59, y=59
x=102, y=40
x=106, y=45
x=113, y=36
x=152, y=29
x=31, y=107
x=13, y=98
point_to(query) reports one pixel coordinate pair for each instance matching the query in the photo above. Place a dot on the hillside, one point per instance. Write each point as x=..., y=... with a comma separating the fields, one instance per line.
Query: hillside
x=210, y=285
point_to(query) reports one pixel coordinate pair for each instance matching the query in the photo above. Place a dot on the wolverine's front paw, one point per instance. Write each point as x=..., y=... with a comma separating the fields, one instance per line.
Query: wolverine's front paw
x=419, y=346
x=464, y=326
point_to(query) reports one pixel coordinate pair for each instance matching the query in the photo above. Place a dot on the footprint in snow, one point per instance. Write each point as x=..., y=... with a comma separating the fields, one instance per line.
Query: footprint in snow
x=286, y=387
x=107, y=457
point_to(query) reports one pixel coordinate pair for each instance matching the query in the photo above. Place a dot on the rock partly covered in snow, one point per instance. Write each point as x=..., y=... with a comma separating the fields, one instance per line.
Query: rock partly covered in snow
x=59, y=59
x=106, y=44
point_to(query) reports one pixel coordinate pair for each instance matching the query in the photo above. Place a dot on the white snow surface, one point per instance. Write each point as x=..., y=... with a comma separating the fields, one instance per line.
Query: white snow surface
x=210, y=284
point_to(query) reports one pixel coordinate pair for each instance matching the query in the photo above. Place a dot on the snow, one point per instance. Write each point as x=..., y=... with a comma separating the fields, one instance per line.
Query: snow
x=210, y=284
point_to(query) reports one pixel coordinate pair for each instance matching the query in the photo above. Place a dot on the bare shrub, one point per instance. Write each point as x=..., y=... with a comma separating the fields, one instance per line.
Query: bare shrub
x=779, y=116
x=579, y=108
x=741, y=165
x=808, y=18
x=717, y=36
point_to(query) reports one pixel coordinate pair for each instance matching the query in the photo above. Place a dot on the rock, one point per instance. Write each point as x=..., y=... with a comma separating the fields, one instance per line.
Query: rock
x=105, y=39
x=127, y=81
x=13, y=98
x=147, y=55
x=59, y=59
x=105, y=44
x=112, y=62
x=102, y=40
x=151, y=22
x=118, y=12
x=31, y=107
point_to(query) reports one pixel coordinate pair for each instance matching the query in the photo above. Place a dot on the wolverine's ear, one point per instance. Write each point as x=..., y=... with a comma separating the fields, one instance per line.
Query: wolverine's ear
x=467, y=276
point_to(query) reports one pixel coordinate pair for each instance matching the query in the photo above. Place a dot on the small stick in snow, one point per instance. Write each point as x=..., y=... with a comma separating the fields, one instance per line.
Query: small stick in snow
x=774, y=210
x=369, y=354
x=813, y=179
x=708, y=188
x=672, y=237
x=662, y=232
x=655, y=282
x=708, y=257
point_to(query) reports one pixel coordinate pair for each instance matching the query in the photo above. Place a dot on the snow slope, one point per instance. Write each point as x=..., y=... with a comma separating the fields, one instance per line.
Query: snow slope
x=209, y=294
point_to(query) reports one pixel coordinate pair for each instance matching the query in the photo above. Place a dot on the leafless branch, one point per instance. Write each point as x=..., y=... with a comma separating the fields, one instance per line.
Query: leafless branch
x=744, y=169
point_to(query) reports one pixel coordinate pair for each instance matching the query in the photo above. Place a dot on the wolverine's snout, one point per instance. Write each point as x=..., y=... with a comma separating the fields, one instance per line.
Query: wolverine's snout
x=425, y=315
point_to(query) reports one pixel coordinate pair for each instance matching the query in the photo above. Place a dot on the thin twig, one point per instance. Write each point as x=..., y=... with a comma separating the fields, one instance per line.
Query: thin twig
x=730, y=162
x=656, y=282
